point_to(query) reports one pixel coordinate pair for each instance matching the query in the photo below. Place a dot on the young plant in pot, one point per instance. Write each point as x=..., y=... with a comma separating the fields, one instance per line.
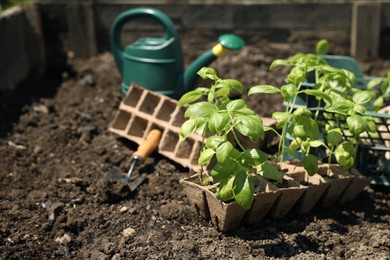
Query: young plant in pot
x=302, y=131
x=229, y=170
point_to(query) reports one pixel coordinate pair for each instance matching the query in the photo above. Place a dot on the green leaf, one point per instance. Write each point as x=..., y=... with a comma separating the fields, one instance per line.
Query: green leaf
x=371, y=126
x=305, y=126
x=209, y=73
x=378, y=103
x=288, y=91
x=322, y=47
x=299, y=131
x=302, y=111
x=250, y=126
x=305, y=146
x=253, y=157
x=339, y=104
x=225, y=189
x=281, y=118
x=243, y=189
x=200, y=109
x=359, y=109
x=310, y=162
x=235, y=105
x=362, y=97
x=333, y=137
x=245, y=111
x=187, y=128
x=211, y=95
x=201, y=125
x=218, y=122
x=267, y=89
x=317, y=93
x=269, y=128
x=270, y=171
x=297, y=75
x=356, y=124
x=373, y=83
x=190, y=97
x=279, y=62
x=205, y=156
x=206, y=180
x=214, y=141
x=224, y=91
x=220, y=172
x=231, y=84
x=223, y=151
x=316, y=143
x=344, y=154
x=294, y=145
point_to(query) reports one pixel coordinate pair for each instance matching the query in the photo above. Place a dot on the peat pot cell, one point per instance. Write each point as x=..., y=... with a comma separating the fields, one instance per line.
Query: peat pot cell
x=149, y=103
x=166, y=110
x=138, y=127
x=155, y=126
x=121, y=120
x=169, y=141
x=185, y=148
x=196, y=195
x=133, y=96
x=196, y=149
x=179, y=117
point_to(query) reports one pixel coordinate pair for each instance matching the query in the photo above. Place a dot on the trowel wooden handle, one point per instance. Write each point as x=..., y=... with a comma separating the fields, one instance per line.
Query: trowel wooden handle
x=151, y=142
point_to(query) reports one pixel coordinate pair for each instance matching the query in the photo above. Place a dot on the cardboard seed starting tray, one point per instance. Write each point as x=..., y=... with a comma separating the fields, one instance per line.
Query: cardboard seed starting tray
x=142, y=110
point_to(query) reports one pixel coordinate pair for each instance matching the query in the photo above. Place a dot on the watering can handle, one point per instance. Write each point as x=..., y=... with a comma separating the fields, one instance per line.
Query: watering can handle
x=126, y=16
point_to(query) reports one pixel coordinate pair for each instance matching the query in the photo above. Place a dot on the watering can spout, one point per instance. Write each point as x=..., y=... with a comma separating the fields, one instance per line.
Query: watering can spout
x=226, y=43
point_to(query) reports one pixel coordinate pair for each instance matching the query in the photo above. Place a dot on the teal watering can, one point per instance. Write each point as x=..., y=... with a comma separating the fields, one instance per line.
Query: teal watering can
x=156, y=63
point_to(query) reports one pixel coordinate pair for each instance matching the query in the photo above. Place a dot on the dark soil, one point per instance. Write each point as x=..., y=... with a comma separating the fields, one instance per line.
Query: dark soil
x=55, y=147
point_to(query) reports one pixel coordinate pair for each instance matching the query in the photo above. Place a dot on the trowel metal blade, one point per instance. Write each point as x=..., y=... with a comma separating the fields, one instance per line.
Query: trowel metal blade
x=114, y=176
x=133, y=185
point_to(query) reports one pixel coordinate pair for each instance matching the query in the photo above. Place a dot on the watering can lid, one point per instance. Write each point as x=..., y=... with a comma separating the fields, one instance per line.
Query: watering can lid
x=231, y=42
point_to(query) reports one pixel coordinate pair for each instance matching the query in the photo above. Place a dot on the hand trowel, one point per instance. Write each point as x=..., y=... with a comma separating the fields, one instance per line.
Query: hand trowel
x=144, y=150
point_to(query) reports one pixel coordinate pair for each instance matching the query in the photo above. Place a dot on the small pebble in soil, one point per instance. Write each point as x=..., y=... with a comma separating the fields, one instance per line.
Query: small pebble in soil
x=41, y=108
x=151, y=223
x=37, y=150
x=116, y=257
x=123, y=209
x=65, y=239
x=17, y=146
x=128, y=232
x=54, y=209
x=62, y=251
x=87, y=80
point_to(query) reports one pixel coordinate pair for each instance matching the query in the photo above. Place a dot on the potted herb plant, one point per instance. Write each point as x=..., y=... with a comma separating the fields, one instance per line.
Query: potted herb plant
x=342, y=111
x=239, y=176
x=223, y=159
x=248, y=183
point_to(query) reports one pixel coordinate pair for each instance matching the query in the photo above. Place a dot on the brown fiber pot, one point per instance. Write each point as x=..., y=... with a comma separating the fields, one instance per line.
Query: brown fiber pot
x=338, y=182
x=299, y=192
x=289, y=195
x=356, y=186
x=316, y=186
x=264, y=199
x=196, y=195
x=226, y=216
x=342, y=186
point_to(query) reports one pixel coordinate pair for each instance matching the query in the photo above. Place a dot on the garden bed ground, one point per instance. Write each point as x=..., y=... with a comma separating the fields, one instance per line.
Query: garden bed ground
x=55, y=147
